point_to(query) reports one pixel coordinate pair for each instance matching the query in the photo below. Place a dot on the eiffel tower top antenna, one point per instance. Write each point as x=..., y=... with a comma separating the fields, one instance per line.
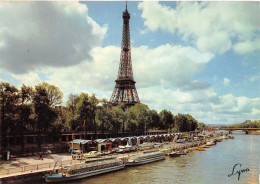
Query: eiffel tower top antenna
x=126, y=6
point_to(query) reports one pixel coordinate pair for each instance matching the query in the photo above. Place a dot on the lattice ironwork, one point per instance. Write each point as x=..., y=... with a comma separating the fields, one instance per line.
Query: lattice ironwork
x=125, y=90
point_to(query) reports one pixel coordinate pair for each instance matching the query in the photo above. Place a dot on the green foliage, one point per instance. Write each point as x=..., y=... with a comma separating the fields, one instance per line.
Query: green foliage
x=25, y=111
x=82, y=108
x=201, y=125
x=141, y=115
x=180, y=122
x=166, y=119
x=9, y=98
x=54, y=94
x=154, y=119
x=185, y=122
x=45, y=113
x=36, y=109
x=71, y=120
x=29, y=109
x=131, y=122
x=253, y=124
x=104, y=116
x=55, y=131
x=135, y=119
x=118, y=118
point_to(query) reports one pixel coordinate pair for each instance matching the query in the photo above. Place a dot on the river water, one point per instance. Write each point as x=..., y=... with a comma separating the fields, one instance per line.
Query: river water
x=197, y=167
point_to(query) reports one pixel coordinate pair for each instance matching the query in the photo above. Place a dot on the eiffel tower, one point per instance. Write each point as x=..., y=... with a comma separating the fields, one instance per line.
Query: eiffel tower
x=125, y=90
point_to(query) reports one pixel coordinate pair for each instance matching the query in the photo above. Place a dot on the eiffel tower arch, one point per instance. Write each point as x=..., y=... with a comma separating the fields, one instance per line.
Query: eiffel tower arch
x=125, y=90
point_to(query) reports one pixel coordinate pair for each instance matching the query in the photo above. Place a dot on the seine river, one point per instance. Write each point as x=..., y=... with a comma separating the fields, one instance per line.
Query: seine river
x=198, y=167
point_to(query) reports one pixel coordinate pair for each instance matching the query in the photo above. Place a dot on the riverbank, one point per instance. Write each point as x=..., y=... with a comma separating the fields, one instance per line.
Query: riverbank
x=22, y=168
x=25, y=165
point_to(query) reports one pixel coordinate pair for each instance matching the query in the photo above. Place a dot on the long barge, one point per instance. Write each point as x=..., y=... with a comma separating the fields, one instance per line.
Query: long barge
x=84, y=170
x=146, y=157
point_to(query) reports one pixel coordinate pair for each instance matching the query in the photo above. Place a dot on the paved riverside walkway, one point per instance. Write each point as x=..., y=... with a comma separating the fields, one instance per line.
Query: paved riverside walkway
x=31, y=163
x=32, y=160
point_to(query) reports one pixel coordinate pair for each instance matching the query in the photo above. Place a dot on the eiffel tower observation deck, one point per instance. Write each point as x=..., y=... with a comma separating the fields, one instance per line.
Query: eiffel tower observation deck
x=125, y=90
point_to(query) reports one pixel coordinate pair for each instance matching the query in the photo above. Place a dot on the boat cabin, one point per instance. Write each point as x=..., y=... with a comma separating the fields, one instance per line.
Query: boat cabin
x=80, y=145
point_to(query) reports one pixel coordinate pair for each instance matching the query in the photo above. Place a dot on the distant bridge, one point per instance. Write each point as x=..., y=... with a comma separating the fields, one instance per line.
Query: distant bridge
x=230, y=130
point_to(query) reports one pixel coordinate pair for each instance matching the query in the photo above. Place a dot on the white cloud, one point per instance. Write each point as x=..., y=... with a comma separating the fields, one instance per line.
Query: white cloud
x=36, y=34
x=254, y=78
x=247, y=46
x=30, y=79
x=167, y=65
x=219, y=42
x=239, y=106
x=95, y=76
x=158, y=74
x=205, y=105
x=211, y=26
x=226, y=82
x=160, y=12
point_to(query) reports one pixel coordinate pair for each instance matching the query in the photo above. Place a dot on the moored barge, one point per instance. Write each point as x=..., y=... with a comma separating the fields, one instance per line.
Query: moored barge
x=145, y=157
x=84, y=170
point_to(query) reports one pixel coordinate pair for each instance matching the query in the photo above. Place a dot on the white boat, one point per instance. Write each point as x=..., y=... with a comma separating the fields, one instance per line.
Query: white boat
x=92, y=154
x=219, y=139
x=210, y=143
x=145, y=157
x=146, y=144
x=120, y=149
x=224, y=137
x=84, y=170
x=157, y=145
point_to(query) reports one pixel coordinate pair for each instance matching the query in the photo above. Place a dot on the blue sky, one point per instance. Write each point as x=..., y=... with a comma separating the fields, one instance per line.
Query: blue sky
x=200, y=58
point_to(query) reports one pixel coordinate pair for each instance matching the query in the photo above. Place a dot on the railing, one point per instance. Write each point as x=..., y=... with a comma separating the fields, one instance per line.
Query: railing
x=45, y=166
x=38, y=167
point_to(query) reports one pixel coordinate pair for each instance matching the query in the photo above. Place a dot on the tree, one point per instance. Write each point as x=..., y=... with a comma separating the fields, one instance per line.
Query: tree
x=72, y=102
x=94, y=101
x=83, y=108
x=185, y=122
x=118, y=118
x=154, y=119
x=166, y=119
x=104, y=115
x=180, y=122
x=9, y=100
x=201, y=125
x=131, y=123
x=25, y=111
x=141, y=115
x=54, y=94
x=71, y=119
x=44, y=101
x=252, y=124
x=83, y=112
x=55, y=131
x=192, y=123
